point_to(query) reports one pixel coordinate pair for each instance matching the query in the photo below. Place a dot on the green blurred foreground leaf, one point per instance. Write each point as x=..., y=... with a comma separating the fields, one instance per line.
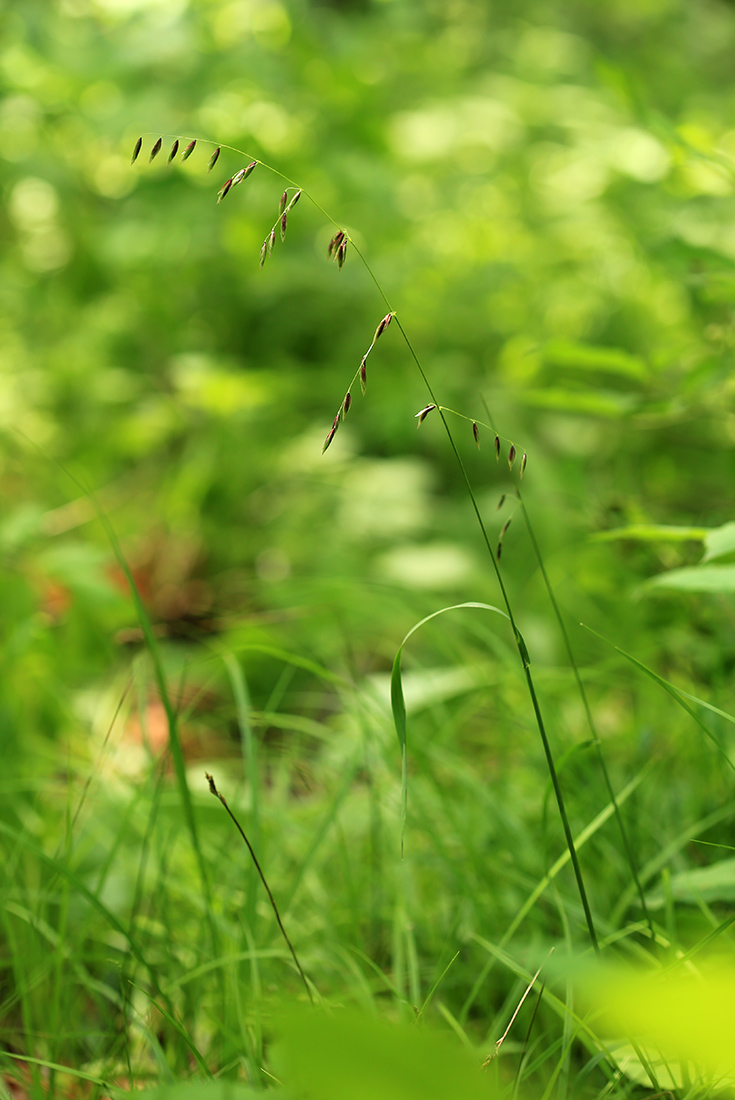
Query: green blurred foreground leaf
x=348, y=1055
x=687, y=1015
x=203, y=1090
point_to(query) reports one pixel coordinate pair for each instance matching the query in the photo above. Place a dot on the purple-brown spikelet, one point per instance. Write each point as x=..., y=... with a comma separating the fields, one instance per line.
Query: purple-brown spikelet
x=347, y=402
x=188, y=151
x=334, y=244
x=284, y=218
x=476, y=433
x=497, y=448
x=155, y=150
x=341, y=254
x=174, y=151
x=331, y=433
x=264, y=252
x=382, y=326
x=501, y=502
x=136, y=150
x=238, y=177
x=271, y=241
x=511, y=456
x=214, y=158
x=499, y=551
x=363, y=375
x=282, y=204
x=294, y=200
x=421, y=416
x=506, y=525
x=223, y=190
x=524, y=459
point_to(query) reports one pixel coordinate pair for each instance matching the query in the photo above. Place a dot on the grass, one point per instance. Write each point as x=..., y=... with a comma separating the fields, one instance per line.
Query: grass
x=459, y=883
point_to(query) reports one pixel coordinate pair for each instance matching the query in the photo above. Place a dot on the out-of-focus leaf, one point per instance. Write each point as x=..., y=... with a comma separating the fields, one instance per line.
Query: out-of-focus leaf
x=585, y=357
x=696, y=578
x=720, y=542
x=653, y=532
x=713, y=883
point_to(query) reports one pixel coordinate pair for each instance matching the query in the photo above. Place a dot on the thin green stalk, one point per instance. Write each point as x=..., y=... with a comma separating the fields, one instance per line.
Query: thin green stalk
x=590, y=721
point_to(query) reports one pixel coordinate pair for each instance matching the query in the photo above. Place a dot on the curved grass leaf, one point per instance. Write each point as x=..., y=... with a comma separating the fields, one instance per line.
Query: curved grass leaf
x=398, y=703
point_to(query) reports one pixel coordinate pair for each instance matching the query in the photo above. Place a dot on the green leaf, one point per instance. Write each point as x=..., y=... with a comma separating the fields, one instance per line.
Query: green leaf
x=398, y=703
x=653, y=532
x=348, y=1056
x=720, y=542
x=203, y=1090
x=713, y=883
x=696, y=578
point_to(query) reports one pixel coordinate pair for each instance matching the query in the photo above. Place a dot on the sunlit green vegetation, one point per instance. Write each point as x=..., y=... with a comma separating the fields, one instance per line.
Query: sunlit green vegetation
x=542, y=195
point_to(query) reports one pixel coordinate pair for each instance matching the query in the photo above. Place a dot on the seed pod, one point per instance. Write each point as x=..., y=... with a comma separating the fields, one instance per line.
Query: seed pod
x=155, y=150
x=511, y=456
x=523, y=464
x=214, y=158
x=363, y=375
x=136, y=150
x=476, y=433
x=223, y=191
x=382, y=326
x=283, y=227
x=282, y=204
x=188, y=151
x=331, y=433
x=347, y=402
x=421, y=416
x=497, y=448
x=174, y=151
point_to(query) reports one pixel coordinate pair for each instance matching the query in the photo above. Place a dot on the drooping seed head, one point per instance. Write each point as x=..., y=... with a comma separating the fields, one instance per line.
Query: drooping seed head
x=174, y=151
x=155, y=150
x=346, y=403
x=136, y=150
x=476, y=433
x=284, y=217
x=341, y=254
x=331, y=433
x=282, y=204
x=524, y=459
x=214, y=158
x=363, y=375
x=188, y=151
x=497, y=448
x=334, y=244
x=511, y=456
x=382, y=326
x=421, y=416
x=223, y=190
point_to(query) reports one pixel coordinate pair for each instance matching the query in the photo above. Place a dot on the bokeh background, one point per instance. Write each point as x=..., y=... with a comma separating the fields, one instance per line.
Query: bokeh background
x=544, y=192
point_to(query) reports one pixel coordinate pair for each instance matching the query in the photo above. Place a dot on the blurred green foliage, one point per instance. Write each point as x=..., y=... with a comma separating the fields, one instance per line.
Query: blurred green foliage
x=544, y=191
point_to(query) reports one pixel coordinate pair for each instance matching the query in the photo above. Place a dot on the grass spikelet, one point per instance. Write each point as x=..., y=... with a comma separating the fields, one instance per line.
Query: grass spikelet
x=363, y=375
x=282, y=204
x=382, y=326
x=341, y=254
x=346, y=404
x=294, y=200
x=174, y=151
x=499, y=551
x=136, y=150
x=155, y=150
x=284, y=218
x=511, y=456
x=223, y=191
x=334, y=244
x=497, y=448
x=476, y=433
x=524, y=459
x=243, y=173
x=421, y=416
x=271, y=241
x=264, y=252
x=331, y=433
x=214, y=158
x=188, y=151
x=501, y=502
